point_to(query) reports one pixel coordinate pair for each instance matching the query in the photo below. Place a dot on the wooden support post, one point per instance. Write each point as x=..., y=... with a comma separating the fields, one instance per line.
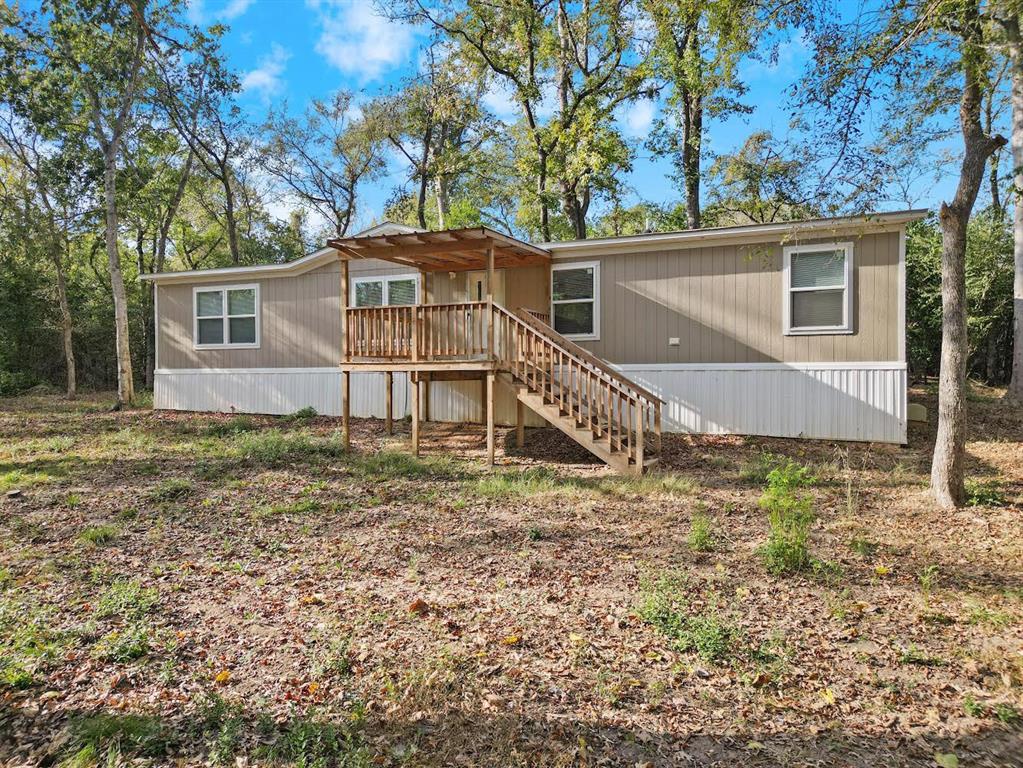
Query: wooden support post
x=490, y=301
x=346, y=431
x=389, y=419
x=520, y=425
x=415, y=416
x=640, y=424
x=346, y=353
x=427, y=381
x=490, y=418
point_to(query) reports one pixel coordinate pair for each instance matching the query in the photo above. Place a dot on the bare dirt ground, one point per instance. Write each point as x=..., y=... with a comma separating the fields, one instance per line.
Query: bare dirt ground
x=194, y=589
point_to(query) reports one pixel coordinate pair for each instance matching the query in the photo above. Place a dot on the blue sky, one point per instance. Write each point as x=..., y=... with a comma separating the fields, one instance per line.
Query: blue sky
x=293, y=50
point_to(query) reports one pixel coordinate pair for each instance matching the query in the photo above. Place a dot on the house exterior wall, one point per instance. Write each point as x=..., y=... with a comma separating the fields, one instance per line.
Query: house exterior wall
x=725, y=303
x=734, y=370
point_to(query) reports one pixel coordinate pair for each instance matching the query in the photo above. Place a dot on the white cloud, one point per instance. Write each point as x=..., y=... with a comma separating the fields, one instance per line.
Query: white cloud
x=198, y=13
x=265, y=79
x=638, y=116
x=234, y=9
x=356, y=40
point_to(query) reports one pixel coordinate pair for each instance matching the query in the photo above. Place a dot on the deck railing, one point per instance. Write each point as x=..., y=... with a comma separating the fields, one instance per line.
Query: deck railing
x=583, y=387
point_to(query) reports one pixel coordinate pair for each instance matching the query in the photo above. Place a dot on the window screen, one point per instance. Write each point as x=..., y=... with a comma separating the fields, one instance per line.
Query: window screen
x=226, y=316
x=574, y=300
x=817, y=289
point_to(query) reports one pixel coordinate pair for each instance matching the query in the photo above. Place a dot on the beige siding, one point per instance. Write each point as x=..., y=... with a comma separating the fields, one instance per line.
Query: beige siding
x=724, y=304
x=300, y=324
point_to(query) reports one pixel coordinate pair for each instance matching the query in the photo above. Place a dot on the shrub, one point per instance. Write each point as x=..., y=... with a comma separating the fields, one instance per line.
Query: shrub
x=302, y=414
x=790, y=515
x=701, y=537
x=15, y=383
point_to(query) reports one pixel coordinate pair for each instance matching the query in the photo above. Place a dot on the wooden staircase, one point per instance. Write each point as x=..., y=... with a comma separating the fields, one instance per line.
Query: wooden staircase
x=608, y=414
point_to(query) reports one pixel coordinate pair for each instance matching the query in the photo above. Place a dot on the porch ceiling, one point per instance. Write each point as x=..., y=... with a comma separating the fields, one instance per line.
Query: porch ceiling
x=448, y=250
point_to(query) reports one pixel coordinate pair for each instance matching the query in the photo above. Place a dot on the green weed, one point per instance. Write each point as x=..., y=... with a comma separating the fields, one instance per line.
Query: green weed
x=121, y=645
x=981, y=493
x=310, y=742
x=98, y=534
x=232, y=426
x=665, y=607
x=701, y=536
x=757, y=469
x=127, y=599
x=790, y=516
x=104, y=738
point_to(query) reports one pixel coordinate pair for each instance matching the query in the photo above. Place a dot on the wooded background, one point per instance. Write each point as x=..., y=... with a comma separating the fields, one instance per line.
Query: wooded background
x=132, y=95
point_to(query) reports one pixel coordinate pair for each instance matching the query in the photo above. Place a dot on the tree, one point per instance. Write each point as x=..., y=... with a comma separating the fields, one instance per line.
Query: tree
x=538, y=50
x=697, y=45
x=52, y=194
x=323, y=156
x=927, y=60
x=764, y=181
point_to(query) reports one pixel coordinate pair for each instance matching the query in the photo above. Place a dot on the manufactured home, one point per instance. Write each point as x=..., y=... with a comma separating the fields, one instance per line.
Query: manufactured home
x=793, y=329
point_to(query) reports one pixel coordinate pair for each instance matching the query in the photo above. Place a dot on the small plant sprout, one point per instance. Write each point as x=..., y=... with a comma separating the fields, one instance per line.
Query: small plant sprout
x=701, y=536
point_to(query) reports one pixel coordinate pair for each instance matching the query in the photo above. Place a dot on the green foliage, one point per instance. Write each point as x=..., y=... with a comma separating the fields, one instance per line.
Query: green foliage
x=219, y=724
x=989, y=271
x=128, y=599
x=232, y=426
x=28, y=642
x=103, y=738
x=985, y=493
x=98, y=534
x=665, y=606
x=302, y=414
x=311, y=742
x=15, y=382
x=701, y=535
x=790, y=516
x=121, y=645
x=756, y=469
x=275, y=448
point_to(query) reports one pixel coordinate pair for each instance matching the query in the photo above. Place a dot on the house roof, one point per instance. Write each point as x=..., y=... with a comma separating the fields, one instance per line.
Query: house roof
x=773, y=232
x=448, y=250
x=435, y=251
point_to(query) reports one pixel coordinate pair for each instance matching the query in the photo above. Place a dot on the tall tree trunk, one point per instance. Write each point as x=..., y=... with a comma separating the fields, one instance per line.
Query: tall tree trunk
x=541, y=191
x=125, y=382
x=232, y=224
x=443, y=197
x=66, y=326
x=692, y=140
x=1015, y=390
x=949, y=448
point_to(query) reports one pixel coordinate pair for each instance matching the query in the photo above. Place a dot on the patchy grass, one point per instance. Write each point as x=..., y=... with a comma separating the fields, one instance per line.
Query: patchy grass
x=98, y=534
x=270, y=599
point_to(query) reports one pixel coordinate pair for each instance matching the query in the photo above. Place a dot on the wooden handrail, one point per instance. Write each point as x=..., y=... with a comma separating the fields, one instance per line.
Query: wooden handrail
x=582, y=386
x=530, y=317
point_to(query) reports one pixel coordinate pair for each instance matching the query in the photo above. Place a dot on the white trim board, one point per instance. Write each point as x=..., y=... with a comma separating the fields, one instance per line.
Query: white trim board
x=886, y=365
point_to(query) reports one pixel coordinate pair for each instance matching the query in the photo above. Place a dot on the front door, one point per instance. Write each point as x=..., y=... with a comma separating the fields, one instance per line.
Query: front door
x=478, y=286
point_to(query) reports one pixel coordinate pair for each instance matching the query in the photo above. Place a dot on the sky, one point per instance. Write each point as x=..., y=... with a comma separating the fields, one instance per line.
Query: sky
x=291, y=51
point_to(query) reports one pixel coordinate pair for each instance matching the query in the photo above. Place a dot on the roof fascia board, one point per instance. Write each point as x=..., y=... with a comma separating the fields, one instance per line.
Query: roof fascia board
x=780, y=232
x=291, y=268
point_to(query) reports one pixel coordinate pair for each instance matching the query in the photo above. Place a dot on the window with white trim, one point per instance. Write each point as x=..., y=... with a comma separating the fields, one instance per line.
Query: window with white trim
x=818, y=289
x=575, y=300
x=226, y=316
x=393, y=290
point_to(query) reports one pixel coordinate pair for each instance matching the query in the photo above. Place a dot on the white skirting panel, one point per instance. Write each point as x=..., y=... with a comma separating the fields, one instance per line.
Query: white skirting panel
x=285, y=390
x=837, y=401
x=834, y=401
